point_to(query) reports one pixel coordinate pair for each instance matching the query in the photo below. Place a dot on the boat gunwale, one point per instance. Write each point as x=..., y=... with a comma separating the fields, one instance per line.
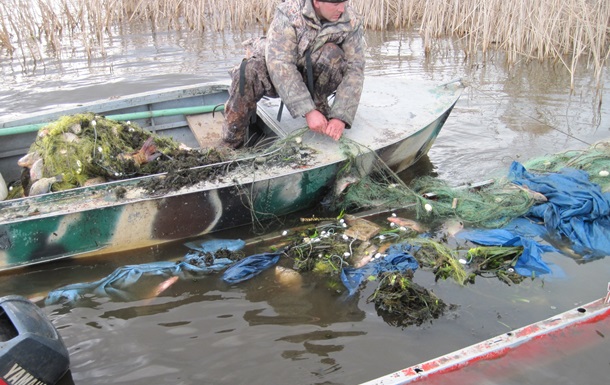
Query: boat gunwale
x=117, y=103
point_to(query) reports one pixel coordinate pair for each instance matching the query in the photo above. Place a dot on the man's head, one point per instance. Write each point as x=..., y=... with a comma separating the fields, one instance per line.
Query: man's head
x=329, y=10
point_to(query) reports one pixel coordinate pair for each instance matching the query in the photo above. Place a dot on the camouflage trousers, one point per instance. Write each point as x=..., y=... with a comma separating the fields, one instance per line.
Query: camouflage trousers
x=250, y=82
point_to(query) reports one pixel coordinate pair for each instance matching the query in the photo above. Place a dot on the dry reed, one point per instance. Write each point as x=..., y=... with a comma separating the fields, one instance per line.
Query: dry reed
x=574, y=32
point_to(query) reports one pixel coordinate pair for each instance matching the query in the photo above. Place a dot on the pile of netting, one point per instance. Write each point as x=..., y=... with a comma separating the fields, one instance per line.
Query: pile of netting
x=595, y=161
x=87, y=149
x=567, y=195
x=493, y=204
x=351, y=253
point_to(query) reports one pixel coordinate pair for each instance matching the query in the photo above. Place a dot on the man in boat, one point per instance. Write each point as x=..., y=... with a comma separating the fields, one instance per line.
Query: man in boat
x=313, y=48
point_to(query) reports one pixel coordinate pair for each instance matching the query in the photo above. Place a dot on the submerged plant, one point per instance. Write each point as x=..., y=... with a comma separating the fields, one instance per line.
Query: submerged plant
x=498, y=261
x=442, y=260
x=401, y=302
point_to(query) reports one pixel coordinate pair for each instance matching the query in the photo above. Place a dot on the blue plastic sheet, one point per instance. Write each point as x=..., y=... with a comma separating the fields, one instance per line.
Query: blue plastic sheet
x=120, y=283
x=576, y=208
x=352, y=277
x=250, y=267
x=398, y=259
x=530, y=260
x=211, y=246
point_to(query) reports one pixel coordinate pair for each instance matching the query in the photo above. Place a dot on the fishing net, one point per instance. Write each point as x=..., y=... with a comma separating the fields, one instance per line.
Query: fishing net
x=85, y=146
x=87, y=149
x=594, y=160
x=493, y=204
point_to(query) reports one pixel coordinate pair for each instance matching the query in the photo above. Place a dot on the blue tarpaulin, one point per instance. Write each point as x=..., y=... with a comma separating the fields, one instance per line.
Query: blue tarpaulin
x=118, y=284
x=576, y=210
x=250, y=267
x=398, y=259
x=530, y=260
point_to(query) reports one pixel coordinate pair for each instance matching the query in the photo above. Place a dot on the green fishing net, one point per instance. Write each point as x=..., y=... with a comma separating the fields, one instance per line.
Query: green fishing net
x=595, y=160
x=492, y=204
x=86, y=149
x=85, y=146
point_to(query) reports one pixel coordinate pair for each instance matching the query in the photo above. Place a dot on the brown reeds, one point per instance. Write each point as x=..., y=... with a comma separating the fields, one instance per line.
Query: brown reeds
x=574, y=32
x=571, y=31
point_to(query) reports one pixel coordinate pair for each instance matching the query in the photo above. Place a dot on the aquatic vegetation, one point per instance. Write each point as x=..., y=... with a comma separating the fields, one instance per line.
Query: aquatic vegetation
x=443, y=261
x=321, y=249
x=401, y=302
x=498, y=261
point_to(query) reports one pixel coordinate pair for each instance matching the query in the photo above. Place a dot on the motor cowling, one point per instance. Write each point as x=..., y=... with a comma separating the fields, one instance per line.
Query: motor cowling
x=31, y=349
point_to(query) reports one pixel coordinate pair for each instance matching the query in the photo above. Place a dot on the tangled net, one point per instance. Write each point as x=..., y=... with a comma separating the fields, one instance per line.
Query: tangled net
x=86, y=149
x=595, y=160
x=490, y=205
x=85, y=146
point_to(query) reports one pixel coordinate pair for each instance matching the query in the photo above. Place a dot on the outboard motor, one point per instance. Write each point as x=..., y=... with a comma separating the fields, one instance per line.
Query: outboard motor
x=31, y=349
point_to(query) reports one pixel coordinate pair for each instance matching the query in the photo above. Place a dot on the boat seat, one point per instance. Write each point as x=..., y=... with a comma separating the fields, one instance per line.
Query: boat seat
x=207, y=128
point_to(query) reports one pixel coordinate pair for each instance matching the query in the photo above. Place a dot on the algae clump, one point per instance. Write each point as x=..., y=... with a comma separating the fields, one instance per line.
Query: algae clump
x=87, y=148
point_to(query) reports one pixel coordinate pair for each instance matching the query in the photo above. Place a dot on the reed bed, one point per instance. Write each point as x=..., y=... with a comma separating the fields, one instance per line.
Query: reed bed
x=573, y=32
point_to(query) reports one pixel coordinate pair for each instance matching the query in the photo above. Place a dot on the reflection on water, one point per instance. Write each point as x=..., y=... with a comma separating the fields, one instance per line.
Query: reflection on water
x=260, y=332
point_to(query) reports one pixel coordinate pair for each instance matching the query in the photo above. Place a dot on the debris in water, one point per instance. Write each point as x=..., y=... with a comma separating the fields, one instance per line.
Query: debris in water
x=163, y=286
x=408, y=223
x=401, y=302
x=288, y=278
x=451, y=227
x=360, y=228
x=497, y=261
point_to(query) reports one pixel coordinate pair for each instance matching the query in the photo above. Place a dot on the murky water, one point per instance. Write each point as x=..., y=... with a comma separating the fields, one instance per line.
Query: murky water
x=258, y=332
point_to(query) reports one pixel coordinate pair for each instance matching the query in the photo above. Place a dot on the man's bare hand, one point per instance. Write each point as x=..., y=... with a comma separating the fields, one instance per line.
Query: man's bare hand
x=316, y=121
x=335, y=128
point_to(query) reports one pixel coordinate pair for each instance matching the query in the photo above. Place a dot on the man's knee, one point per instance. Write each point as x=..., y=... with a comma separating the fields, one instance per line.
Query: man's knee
x=329, y=55
x=328, y=69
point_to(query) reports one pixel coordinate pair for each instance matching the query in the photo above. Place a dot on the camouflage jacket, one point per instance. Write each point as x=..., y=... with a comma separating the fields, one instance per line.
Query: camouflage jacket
x=295, y=29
